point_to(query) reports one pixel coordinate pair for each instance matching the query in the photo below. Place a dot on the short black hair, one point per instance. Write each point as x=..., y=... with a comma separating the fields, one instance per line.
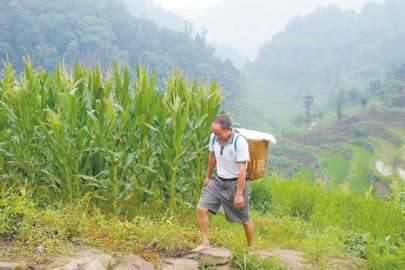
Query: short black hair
x=224, y=121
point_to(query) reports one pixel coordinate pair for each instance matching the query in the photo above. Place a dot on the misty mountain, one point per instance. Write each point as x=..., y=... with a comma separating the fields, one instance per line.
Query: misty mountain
x=245, y=25
x=103, y=31
x=331, y=45
x=148, y=10
x=224, y=52
x=319, y=55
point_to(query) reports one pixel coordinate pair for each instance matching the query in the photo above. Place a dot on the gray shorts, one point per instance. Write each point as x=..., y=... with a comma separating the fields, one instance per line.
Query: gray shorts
x=218, y=193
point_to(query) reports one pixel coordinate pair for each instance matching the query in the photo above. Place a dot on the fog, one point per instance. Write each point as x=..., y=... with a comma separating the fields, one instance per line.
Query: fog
x=245, y=25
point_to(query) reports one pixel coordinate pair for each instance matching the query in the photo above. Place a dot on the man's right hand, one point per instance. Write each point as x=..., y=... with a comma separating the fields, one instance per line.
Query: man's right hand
x=206, y=181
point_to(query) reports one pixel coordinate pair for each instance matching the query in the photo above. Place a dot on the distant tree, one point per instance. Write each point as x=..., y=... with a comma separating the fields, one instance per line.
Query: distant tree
x=374, y=87
x=298, y=121
x=45, y=55
x=364, y=101
x=354, y=96
x=340, y=102
x=188, y=28
x=202, y=36
x=72, y=53
x=308, y=101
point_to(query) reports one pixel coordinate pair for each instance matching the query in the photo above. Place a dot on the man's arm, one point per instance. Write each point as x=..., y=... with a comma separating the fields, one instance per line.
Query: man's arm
x=239, y=201
x=212, y=161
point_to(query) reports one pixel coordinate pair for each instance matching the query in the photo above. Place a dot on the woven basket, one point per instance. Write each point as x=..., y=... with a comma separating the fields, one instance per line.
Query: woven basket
x=258, y=151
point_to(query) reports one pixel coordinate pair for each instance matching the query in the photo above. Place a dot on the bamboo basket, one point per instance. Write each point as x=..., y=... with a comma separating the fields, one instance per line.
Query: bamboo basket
x=259, y=144
x=258, y=152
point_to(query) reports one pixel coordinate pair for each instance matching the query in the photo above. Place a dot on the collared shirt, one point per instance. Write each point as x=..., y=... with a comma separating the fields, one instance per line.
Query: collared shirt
x=228, y=158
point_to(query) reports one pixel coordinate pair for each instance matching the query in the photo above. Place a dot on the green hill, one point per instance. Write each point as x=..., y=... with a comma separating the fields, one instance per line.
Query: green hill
x=103, y=31
x=364, y=148
x=319, y=54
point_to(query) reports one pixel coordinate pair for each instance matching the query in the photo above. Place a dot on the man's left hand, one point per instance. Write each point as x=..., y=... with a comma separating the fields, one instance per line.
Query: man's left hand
x=238, y=201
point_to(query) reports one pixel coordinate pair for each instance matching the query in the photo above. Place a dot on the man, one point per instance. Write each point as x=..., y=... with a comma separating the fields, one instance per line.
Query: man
x=229, y=188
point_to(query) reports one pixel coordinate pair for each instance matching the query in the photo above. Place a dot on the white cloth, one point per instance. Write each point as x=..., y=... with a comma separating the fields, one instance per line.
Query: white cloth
x=256, y=135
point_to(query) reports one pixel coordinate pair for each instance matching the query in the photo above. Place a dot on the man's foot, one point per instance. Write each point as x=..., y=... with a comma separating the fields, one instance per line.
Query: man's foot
x=251, y=251
x=201, y=247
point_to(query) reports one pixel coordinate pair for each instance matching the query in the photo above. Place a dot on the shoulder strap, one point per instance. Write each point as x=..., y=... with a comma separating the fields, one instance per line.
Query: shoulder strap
x=214, y=138
x=235, y=141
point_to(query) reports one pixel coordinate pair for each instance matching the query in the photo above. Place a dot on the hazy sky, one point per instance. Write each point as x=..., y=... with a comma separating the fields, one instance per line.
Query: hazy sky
x=186, y=4
x=247, y=24
x=201, y=4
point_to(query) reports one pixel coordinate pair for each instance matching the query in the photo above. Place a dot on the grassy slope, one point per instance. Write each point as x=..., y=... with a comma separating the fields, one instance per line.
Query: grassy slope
x=338, y=169
x=332, y=142
x=264, y=104
x=288, y=215
x=359, y=166
x=386, y=151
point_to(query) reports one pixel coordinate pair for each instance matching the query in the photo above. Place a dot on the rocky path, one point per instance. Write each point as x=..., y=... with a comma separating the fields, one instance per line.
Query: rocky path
x=214, y=258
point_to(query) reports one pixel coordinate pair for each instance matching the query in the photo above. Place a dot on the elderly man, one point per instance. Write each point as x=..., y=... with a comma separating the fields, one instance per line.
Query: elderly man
x=230, y=154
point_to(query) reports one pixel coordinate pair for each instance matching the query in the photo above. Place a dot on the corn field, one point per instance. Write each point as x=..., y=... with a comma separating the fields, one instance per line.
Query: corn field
x=104, y=138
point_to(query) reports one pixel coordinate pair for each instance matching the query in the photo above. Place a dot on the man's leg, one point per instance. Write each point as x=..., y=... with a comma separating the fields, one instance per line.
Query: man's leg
x=203, y=222
x=249, y=232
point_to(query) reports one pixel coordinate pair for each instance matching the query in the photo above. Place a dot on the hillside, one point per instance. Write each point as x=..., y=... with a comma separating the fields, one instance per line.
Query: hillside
x=320, y=53
x=148, y=10
x=330, y=44
x=364, y=148
x=103, y=31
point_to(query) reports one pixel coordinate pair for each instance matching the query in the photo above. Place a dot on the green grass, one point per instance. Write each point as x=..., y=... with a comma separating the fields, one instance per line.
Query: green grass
x=386, y=151
x=331, y=117
x=400, y=132
x=298, y=216
x=338, y=169
x=358, y=175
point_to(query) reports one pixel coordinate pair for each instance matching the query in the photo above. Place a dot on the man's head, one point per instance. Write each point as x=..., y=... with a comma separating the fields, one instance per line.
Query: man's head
x=222, y=127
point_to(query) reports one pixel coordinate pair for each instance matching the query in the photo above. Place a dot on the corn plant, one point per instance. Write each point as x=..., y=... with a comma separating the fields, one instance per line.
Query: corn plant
x=116, y=141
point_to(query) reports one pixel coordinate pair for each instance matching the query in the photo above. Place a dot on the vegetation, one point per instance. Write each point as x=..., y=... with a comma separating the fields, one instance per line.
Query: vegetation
x=358, y=147
x=104, y=31
x=83, y=134
x=329, y=44
x=94, y=153
x=319, y=54
x=297, y=215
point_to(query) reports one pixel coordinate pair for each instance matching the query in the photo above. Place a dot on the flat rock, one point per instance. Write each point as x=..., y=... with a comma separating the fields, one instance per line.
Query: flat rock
x=95, y=265
x=293, y=259
x=191, y=256
x=215, y=256
x=88, y=259
x=179, y=264
x=134, y=262
x=12, y=266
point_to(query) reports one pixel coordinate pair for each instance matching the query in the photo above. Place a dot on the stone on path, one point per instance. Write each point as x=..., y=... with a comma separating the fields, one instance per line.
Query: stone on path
x=291, y=258
x=179, y=264
x=215, y=256
x=12, y=266
x=134, y=262
x=88, y=259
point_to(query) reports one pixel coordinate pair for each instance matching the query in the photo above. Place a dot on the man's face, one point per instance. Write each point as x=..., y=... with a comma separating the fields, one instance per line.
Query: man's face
x=222, y=134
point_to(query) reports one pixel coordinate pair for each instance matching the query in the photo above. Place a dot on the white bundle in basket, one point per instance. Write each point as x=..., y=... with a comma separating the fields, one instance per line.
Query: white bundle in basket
x=256, y=135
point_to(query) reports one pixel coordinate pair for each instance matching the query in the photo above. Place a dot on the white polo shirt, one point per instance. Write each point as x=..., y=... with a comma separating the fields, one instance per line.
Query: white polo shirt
x=229, y=158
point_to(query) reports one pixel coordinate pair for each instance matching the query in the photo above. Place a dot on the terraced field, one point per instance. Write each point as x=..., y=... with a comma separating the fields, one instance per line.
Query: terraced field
x=365, y=149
